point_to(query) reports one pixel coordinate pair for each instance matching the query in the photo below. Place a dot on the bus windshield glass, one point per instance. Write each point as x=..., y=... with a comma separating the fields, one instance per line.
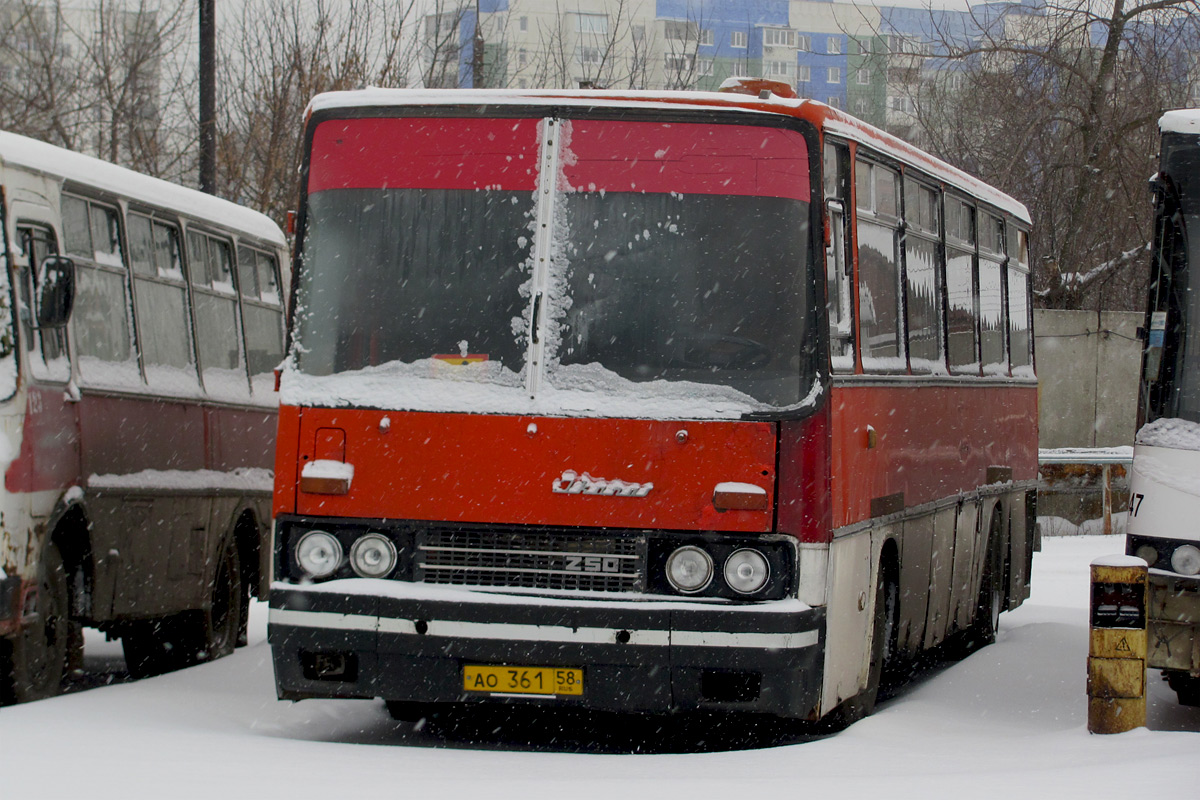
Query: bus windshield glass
x=1178, y=243
x=590, y=266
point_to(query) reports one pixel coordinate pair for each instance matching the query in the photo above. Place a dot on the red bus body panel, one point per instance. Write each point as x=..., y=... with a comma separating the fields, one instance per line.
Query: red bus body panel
x=503, y=469
x=926, y=461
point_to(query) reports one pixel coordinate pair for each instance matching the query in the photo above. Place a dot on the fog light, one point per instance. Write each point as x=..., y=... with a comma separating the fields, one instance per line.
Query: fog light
x=373, y=556
x=747, y=571
x=319, y=554
x=1186, y=560
x=689, y=569
x=1148, y=554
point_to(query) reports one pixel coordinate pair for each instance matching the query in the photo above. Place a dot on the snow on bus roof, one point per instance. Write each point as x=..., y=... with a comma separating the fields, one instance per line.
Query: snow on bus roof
x=1184, y=120
x=66, y=165
x=836, y=122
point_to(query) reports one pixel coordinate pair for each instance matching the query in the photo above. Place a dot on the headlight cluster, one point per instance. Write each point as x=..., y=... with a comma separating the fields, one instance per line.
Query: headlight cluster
x=690, y=570
x=1182, y=558
x=319, y=555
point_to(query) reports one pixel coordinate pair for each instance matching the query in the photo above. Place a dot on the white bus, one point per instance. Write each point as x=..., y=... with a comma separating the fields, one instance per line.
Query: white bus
x=140, y=324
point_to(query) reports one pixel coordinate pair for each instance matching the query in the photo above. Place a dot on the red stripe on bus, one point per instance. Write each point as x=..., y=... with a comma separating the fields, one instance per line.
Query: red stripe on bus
x=661, y=157
x=424, y=154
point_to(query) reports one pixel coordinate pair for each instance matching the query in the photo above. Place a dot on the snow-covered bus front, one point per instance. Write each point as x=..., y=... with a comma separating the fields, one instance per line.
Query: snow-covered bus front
x=561, y=422
x=1165, y=482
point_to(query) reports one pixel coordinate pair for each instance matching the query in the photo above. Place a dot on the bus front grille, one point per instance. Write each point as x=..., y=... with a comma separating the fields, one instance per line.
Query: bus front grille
x=565, y=561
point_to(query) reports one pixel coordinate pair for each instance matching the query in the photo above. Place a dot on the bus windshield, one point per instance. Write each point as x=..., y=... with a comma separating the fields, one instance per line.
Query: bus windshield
x=1177, y=242
x=659, y=261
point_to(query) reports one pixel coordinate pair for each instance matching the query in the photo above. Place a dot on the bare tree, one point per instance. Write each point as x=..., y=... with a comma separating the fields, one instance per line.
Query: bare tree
x=94, y=78
x=286, y=53
x=1057, y=105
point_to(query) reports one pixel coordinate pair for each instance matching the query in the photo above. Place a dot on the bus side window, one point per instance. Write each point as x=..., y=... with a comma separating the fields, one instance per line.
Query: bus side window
x=961, y=294
x=1020, y=343
x=215, y=307
x=101, y=322
x=878, y=230
x=923, y=269
x=991, y=296
x=46, y=348
x=263, y=317
x=160, y=301
x=839, y=296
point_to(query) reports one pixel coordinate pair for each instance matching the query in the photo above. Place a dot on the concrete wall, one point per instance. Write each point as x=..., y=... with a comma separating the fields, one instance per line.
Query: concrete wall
x=1087, y=368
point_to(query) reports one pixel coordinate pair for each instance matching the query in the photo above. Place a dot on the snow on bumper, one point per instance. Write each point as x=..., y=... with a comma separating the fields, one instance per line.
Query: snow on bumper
x=410, y=642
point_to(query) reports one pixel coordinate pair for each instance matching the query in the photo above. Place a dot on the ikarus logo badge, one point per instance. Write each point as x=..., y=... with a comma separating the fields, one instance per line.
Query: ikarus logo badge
x=572, y=482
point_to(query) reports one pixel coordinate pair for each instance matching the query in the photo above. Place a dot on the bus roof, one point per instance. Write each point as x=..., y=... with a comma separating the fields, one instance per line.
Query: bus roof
x=1185, y=120
x=835, y=121
x=66, y=165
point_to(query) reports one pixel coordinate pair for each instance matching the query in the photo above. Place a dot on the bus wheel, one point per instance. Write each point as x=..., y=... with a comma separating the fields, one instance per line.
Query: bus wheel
x=157, y=646
x=216, y=632
x=33, y=662
x=1187, y=688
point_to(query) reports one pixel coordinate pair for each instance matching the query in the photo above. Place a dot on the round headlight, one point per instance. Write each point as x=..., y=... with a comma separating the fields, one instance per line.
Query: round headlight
x=1148, y=554
x=747, y=571
x=689, y=569
x=373, y=556
x=1186, y=560
x=319, y=554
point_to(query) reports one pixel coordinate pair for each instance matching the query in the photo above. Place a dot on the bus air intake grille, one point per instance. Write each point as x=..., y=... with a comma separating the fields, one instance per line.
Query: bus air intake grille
x=532, y=560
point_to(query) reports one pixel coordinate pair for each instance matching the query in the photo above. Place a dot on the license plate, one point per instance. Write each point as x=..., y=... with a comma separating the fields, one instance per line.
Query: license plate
x=523, y=680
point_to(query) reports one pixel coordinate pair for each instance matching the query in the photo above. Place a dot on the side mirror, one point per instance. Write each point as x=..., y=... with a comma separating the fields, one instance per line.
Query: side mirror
x=56, y=291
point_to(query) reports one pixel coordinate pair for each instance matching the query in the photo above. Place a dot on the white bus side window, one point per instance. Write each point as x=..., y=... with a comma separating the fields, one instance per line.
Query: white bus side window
x=100, y=324
x=218, y=324
x=161, y=305
x=46, y=348
x=263, y=317
x=839, y=298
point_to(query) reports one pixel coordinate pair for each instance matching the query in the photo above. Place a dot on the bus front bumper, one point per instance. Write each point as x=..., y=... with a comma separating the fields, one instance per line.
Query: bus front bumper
x=410, y=642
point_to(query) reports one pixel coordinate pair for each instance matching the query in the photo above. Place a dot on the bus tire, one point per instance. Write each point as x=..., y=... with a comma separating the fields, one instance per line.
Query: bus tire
x=33, y=662
x=162, y=645
x=1187, y=688
x=215, y=633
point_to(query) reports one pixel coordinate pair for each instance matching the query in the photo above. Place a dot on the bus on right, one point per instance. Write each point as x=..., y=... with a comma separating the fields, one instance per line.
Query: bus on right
x=1165, y=481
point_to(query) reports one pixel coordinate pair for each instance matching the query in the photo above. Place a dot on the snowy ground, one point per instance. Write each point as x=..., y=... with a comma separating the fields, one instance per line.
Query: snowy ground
x=1008, y=721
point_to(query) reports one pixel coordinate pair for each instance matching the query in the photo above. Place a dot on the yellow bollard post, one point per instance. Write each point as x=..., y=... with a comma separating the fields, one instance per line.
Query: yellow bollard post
x=1116, y=684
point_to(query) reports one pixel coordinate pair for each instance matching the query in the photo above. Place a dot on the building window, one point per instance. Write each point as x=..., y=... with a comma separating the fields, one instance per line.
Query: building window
x=834, y=102
x=676, y=30
x=803, y=42
x=833, y=45
x=864, y=76
x=804, y=73
x=779, y=37
x=778, y=69
x=862, y=106
x=591, y=23
x=707, y=39
x=737, y=39
x=522, y=57
x=523, y=23
x=588, y=55
x=834, y=75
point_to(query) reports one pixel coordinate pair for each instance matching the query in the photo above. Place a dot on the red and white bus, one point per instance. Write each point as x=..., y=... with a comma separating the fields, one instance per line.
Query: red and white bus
x=140, y=323
x=643, y=402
